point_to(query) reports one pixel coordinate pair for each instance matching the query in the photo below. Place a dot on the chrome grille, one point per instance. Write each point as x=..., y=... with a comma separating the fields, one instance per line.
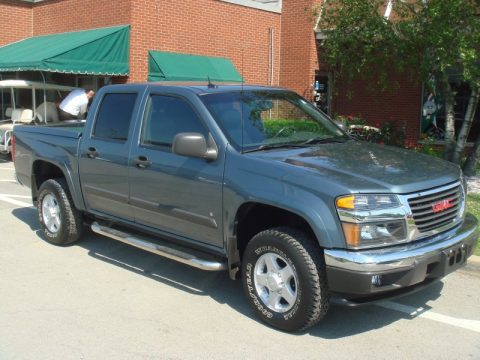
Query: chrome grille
x=428, y=219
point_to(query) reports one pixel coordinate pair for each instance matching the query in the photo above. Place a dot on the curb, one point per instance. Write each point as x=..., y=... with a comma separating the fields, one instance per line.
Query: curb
x=474, y=259
x=473, y=263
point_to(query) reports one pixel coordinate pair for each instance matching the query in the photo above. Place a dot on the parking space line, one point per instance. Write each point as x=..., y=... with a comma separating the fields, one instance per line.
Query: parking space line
x=8, y=198
x=17, y=196
x=9, y=181
x=473, y=325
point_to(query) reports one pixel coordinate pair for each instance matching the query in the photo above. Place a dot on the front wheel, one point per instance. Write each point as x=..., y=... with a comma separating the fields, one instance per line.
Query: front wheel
x=60, y=221
x=283, y=274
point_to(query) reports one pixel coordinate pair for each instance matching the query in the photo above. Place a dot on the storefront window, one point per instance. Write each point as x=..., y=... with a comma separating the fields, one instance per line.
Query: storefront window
x=321, y=95
x=433, y=116
x=92, y=82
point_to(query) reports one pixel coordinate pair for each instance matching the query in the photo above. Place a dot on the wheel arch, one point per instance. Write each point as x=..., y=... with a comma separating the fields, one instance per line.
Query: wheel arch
x=43, y=170
x=253, y=217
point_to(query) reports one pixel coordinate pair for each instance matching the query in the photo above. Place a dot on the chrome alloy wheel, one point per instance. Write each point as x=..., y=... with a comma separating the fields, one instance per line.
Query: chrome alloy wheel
x=51, y=213
x=276, y=282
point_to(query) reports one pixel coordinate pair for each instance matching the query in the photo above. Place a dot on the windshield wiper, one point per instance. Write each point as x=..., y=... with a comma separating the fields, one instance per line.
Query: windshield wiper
x=323, y=140
x=274, y=146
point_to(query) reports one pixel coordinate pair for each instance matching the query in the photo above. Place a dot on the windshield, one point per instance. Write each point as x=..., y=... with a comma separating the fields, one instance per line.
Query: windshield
x=257, y=120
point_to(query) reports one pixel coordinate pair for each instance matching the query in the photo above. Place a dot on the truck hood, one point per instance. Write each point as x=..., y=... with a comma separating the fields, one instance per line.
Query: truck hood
x=365, y=167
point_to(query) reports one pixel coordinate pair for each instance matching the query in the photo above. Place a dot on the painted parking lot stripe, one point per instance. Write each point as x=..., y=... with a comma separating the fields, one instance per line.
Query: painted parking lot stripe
x=9, y=181
x=8, y=198
x=473, y=325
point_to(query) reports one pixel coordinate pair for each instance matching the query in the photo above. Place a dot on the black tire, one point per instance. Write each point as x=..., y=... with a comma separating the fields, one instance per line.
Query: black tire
x=70, y=225
x=289, y=248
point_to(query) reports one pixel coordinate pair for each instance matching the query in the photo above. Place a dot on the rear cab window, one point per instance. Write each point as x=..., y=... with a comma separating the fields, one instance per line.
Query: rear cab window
x=114, y=116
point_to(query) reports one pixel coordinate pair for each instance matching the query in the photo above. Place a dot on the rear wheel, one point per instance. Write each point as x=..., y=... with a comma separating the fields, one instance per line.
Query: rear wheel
x=60, y=221
x=283, y=274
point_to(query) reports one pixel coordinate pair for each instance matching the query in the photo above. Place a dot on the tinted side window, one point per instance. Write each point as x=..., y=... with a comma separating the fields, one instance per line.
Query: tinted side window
x=167, y=116
x=114, y=116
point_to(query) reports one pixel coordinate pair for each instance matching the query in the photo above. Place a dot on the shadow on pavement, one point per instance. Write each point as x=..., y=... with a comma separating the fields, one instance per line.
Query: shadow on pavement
x=5, y=158
x=345, y=321
x=28, y=216
x=340, y=321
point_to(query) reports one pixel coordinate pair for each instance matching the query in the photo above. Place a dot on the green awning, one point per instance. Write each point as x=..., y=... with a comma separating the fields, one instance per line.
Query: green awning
x=97, y=52
x=166, y=66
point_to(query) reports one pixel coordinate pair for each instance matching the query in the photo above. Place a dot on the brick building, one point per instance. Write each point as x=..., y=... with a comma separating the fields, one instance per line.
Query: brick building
x=270, y=42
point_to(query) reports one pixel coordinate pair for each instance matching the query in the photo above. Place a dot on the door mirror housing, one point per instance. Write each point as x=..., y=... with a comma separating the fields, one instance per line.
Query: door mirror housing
x=195, y=145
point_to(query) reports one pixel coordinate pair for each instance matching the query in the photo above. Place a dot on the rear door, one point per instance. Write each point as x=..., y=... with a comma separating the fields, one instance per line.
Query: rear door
x=173, y=193
x=104, y=153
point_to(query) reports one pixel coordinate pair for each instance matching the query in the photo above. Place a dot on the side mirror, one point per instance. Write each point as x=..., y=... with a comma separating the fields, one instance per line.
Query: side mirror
x=195, y=145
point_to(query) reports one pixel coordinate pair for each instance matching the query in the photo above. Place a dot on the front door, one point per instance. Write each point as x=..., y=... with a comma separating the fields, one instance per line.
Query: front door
x=169, y=192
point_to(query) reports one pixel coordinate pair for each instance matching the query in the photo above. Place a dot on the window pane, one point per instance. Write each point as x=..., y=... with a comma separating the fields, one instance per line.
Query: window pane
x=114, y=116
x=166, y=117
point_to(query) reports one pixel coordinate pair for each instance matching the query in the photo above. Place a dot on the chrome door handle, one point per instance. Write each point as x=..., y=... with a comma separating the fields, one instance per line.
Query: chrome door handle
x=142, y=162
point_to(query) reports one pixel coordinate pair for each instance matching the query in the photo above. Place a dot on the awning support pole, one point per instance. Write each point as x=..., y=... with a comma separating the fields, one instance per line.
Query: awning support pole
x=44, y=99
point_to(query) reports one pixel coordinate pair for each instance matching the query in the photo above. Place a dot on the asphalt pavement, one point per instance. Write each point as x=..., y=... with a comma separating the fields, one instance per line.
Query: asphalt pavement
x=101, y=299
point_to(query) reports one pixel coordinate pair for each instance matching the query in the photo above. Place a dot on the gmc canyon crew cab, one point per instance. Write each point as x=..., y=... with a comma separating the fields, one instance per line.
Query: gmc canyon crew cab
x=255, y=181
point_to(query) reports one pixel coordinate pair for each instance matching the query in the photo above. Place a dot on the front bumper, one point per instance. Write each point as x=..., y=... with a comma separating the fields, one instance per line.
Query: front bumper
x=376, y=274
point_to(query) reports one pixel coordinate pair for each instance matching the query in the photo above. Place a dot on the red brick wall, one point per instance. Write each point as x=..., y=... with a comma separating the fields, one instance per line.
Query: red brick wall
x=205, y=27
x=400, y=107
x=15, y=21
x=201, y=27
x=56, y=16
x=299, y=58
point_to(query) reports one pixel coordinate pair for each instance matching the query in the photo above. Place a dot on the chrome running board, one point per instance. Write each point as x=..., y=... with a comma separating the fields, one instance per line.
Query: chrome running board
x=168, y=252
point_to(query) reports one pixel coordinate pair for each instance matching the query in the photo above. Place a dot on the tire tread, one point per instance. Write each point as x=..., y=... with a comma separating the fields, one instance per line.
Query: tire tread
x=72, y=216
x=312, y=258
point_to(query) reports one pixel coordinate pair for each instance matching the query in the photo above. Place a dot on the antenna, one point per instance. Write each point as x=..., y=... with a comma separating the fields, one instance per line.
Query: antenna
x=210, y=84
x=242, y=104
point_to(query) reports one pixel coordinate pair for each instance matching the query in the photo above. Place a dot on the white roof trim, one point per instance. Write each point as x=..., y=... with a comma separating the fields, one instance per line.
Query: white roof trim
x=267, y=5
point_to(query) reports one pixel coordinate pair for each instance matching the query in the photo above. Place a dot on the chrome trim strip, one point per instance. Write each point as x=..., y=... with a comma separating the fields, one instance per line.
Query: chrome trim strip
x=170, y=253
x=174, y=212
x=102, y=192
x=407, y=255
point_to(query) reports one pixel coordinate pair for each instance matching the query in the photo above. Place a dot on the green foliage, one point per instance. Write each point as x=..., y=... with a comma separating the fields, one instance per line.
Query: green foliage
x=420, y=38
x=390, y=135
x=350, y=120
x=385, y=133
x=429, y=147
x=286, y=128
x=473, y=206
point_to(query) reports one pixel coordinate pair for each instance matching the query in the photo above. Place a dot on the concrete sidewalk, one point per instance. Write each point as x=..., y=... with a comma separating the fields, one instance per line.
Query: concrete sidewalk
x=473, y=263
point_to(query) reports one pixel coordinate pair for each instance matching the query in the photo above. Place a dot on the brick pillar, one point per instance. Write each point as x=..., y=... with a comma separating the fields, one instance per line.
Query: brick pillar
x=299, y=58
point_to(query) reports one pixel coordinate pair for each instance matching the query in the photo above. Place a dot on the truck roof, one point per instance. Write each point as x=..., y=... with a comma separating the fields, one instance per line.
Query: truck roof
x=202, y=87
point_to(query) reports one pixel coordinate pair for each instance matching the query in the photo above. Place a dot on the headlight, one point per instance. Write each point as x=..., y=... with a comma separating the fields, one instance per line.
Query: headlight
x=371, y=220
x=367, y=202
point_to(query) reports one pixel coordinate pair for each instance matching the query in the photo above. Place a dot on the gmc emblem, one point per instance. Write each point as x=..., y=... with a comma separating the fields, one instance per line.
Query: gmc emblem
x=442, y=205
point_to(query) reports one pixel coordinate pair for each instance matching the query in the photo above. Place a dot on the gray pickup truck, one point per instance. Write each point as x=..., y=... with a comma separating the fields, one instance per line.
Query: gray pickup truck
x=255, y=181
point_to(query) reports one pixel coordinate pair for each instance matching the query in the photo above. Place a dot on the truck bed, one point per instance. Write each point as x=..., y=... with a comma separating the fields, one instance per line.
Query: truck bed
x=55, y=144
